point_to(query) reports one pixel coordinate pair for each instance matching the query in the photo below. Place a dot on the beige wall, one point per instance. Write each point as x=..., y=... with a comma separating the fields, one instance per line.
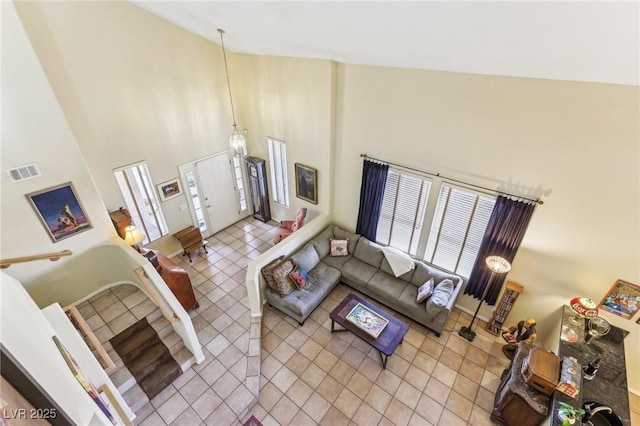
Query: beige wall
x=34, y=129
x=574, y=143
x=290, y=99
x=133, y=87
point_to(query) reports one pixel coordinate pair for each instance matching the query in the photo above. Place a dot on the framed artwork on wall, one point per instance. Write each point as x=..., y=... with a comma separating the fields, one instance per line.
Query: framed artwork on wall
x=306, y=183
x=169, y=189
x=60, y=211
x=623, y=299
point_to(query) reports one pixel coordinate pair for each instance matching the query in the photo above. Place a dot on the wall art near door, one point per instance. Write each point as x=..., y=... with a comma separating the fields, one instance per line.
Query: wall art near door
x=60, y=211
x=169, y=189
x=623, y=299
x=307, y=183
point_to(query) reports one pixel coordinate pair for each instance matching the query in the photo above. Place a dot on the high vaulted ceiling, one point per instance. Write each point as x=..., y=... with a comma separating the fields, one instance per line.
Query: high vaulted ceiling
x=581, y=41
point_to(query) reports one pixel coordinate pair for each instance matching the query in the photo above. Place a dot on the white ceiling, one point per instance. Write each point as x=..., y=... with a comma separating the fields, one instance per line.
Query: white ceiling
x=581, y=41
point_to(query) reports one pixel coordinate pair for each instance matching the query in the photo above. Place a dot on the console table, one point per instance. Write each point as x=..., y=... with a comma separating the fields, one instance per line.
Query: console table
x=190, y=240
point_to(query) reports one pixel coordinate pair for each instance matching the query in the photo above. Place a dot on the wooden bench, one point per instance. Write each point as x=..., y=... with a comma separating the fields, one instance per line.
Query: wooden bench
x=191, y=240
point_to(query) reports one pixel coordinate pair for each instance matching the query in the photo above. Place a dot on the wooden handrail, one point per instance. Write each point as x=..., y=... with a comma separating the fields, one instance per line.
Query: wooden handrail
x=51, y=256
x=116, y=405
x=142, y=276
x=79, y=319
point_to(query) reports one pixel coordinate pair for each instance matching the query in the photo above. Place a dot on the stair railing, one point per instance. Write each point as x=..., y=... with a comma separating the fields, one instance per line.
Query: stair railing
x=51, y=256
x=84, y=327
x=146, y=283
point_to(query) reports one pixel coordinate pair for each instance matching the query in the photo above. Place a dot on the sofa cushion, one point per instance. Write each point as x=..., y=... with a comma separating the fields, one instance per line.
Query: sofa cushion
x=280, y=283
x=341, y=234
x=266, y=270
x=369, y=252
x=423, y=272
x=336, y=262
x=440, y=297
x=384, y=266
x=339, y=248
x=386, y=287
x=424, y=291
x=357, y=272
x=321, y=242
x=307, y=257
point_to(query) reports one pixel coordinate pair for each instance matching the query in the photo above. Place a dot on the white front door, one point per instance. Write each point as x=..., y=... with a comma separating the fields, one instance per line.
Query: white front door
x=219, y=193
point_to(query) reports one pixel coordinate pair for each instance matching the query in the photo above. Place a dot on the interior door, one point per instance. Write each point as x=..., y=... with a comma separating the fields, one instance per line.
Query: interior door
x=215, y=175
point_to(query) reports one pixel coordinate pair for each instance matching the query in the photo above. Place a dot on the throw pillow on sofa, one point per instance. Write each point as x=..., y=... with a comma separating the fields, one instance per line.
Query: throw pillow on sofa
x=266, y=270
x=299, y=277
x=440, y=297
x=280, y=282
x=424, y=291
x=339, y=247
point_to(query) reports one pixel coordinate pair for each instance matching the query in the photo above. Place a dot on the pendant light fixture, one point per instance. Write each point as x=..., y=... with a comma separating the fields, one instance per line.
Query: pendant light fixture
x=237, y=141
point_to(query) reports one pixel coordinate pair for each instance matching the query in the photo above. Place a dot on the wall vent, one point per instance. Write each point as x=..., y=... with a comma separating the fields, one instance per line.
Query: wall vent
x=26, y=172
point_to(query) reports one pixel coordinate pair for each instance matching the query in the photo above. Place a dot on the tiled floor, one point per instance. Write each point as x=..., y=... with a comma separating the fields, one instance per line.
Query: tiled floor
x=308, y=375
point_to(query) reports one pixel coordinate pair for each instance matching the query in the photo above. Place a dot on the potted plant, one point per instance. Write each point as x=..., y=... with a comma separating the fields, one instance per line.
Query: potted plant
x=568, y=415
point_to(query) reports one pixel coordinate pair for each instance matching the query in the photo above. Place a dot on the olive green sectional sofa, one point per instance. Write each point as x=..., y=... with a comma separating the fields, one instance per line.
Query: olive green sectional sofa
x=366, y=270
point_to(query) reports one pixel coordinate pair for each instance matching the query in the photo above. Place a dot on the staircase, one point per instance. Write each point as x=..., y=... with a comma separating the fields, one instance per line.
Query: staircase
x=122, y=378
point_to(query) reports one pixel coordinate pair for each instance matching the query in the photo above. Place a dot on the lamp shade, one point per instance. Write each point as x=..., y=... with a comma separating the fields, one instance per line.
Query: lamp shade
x=498, y=264
x=584, y=307
x=237, y=143
x=132, y=236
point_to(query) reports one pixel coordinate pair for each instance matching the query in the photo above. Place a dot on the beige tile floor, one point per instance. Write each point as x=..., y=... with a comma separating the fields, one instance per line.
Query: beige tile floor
x=308, y=375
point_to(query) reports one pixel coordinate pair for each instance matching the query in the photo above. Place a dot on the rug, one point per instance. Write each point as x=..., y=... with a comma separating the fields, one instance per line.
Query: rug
x=146, y=357
x=252, y=422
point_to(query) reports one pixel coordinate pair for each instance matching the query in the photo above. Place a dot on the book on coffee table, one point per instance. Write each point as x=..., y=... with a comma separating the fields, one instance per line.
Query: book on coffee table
x=367, y=320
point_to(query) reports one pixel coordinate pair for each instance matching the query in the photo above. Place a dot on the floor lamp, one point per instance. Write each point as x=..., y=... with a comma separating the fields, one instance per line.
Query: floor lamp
x=497, y=265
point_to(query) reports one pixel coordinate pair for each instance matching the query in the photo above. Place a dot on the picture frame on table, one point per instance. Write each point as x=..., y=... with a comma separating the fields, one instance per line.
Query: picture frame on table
x=622, y=299
x=306, y=183
x=60, y=211
x=169, y=189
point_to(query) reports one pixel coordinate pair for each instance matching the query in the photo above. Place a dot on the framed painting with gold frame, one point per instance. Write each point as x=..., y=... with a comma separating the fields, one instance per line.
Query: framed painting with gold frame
x=622, y=299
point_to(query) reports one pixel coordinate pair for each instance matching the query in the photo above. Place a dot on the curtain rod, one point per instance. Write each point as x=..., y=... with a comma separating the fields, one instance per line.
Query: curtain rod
x=537, y=201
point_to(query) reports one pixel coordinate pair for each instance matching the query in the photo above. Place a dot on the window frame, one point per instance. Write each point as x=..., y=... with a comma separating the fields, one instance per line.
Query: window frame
x=278, y=171
x=133, y=204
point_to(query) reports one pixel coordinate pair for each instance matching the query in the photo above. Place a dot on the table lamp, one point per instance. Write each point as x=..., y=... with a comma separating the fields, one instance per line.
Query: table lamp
x=584, y=308
x=133, y=237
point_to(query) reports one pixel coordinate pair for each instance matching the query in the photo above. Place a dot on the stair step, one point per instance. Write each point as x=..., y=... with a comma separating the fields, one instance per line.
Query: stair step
x=135, y=398
x=122, y=379
x=163, y=376
x=132, y=348
x=149, y=360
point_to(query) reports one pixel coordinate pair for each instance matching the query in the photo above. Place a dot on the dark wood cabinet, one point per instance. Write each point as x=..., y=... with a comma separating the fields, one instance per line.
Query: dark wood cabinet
x=258, y=189
x=120, y=219
x=177, y=279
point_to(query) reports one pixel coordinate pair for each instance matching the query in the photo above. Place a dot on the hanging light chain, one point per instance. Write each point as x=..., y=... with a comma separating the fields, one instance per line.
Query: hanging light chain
x=226, y=70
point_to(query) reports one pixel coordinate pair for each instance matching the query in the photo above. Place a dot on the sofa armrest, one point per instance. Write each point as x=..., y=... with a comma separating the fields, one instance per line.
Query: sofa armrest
x=454, y=296
x=286, y=224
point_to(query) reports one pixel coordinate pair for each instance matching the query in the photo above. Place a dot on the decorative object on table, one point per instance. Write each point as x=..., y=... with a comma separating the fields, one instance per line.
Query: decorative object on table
x=570, y=377
x=591, y=369
x=568, y=334
x=306, y=183
x=497, y=265
x=567, y=415
x=258, y=188
x=169, y=189
x=121, y=219
x=597, y=327
x=623, y=299
x=367, y=320
x=541, y=370
x=523, y=331
x=237, y=141
x=288, y=227
x=133, y=237
x=498, y=318
x=583, y=308
x=60, y=211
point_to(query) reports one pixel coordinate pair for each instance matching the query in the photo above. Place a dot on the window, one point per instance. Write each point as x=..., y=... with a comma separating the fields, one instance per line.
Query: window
x=197, y=205
x=139, y=196
x=278, y=167
x=237, y=172
x=458, y=218
x=402, y=212
x=459, y=222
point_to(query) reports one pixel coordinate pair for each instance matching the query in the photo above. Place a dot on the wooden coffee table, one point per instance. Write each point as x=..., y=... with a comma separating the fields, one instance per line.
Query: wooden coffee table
x=386, y=343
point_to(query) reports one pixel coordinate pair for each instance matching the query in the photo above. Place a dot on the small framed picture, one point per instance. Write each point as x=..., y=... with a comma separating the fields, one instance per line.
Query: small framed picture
x=306, y=183
x=623, y=299
x=60, y=211
x=169, y=189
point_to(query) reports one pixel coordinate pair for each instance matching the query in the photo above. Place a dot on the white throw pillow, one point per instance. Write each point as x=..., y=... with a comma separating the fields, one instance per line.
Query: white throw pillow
x=440, y=297
x=339, y=247
x=424, y=291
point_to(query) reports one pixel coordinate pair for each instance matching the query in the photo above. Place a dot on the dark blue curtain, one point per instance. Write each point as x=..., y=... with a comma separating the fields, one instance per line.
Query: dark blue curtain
x=503, y=236
x=374, y=178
